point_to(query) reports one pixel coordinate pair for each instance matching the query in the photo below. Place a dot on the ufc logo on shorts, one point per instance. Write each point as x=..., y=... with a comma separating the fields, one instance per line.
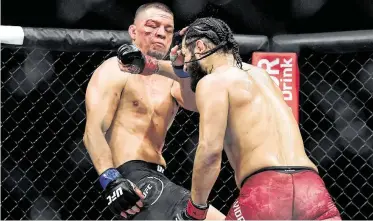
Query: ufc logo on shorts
x=146, y=191
x=117, y=193
x=160, y=169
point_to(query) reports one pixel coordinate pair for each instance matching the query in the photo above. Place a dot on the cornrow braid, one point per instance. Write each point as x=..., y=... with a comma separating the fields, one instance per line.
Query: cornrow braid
x=217, y=32
x=235, y=48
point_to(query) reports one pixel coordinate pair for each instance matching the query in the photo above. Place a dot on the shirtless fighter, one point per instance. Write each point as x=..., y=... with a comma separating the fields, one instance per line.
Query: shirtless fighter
x=128, y=116
x=247, y=116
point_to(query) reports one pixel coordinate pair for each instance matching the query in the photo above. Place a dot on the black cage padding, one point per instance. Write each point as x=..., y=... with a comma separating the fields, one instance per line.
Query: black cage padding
x=46, y=172
x=75, y=40
x=333, y=42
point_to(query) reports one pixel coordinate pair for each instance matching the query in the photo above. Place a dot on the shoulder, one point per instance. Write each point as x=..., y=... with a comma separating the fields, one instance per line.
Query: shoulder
x=109, y=72
x=110, y=65
x=211, y=84
x=106, y=77
x=211, y=90
x=251, y=69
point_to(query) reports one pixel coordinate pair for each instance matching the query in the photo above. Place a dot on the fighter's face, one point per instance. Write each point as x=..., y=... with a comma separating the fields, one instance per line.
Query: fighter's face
x=196, y=73
x=153, y=32
x=194, y=68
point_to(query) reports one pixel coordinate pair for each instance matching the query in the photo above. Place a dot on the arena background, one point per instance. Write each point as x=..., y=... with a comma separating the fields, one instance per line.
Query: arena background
x=46, y=172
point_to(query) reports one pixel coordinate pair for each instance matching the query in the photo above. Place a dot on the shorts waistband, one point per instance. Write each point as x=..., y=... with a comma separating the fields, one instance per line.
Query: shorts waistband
x=281, y=169
x=133, y=165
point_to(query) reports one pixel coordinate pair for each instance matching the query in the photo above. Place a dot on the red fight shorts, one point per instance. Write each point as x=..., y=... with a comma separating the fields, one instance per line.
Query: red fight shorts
x=284, y=193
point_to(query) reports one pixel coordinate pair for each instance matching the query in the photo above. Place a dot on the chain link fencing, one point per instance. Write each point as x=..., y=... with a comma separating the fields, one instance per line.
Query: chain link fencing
x=47, y=173
x=336, y=120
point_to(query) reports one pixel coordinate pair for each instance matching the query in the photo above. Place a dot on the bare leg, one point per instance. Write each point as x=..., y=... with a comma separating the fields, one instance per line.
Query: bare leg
x=214, y=214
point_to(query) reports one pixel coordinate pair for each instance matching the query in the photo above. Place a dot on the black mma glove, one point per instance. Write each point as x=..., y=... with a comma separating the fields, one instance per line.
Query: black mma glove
x=119, y=192
x=193, y=212
x=176, y=58
x=135, y=62
x=177, y=39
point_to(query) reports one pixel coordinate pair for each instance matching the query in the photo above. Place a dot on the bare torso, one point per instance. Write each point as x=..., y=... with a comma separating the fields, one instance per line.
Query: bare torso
x=145, y=111
x=261, y=129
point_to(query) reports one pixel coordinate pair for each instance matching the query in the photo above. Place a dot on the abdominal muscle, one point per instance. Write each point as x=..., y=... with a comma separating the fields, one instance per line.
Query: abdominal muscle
x=138, y=138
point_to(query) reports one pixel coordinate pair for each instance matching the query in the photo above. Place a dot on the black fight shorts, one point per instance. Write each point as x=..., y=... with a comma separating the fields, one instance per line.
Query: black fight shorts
x=163, y=199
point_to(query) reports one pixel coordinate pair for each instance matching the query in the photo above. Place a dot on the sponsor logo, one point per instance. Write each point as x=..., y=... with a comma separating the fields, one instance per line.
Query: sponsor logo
x=116, y=194
x=146, y=191
x=282, y=75
x=152, y=189
x=160, y=169
x=237, y=211
x=283, y=70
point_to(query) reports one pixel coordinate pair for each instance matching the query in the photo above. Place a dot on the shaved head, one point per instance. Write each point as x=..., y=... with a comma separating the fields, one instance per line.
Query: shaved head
x=156, y=5
x=152, y=29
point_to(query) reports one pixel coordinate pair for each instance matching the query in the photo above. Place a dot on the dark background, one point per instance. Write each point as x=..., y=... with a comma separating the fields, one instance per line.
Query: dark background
x=266, y=17
x=46, y=172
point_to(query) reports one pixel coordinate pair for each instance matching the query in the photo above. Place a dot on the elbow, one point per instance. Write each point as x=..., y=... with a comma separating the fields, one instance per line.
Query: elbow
x=188, y=102
x=213, y=159
x=86, y=138
x=185, y=103
x=89, y=134
x=212, y=153
x=193, y=107
x=190, y=107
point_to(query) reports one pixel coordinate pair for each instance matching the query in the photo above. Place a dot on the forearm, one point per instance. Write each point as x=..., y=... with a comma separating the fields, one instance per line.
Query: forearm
x=166, y=70
x=181, y=90
x=205, y=172
x=98, y=149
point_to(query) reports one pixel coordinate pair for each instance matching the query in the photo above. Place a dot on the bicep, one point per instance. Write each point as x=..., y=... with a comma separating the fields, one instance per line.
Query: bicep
x=184, y=95
x=99, y=105
x=176, y=93
x=213, y=105
x=102, y=98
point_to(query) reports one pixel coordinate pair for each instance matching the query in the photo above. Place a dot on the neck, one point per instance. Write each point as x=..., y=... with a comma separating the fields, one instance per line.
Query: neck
x=219, y=60
x=134, y=43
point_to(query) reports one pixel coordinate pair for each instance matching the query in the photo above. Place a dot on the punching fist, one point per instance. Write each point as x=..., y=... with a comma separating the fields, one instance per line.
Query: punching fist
x=176, y=56
x=133, y=61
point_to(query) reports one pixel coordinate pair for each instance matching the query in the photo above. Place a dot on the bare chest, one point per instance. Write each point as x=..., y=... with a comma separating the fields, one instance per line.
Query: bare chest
x=146, y=94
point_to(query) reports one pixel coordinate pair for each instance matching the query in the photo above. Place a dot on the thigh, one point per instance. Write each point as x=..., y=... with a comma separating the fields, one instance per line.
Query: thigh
x=163, y=199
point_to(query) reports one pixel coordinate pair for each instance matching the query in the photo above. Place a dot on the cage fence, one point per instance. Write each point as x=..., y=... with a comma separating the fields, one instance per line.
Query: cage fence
x=47, y=173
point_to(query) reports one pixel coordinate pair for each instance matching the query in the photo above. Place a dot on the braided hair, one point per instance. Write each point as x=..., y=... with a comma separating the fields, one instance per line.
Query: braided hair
x=217, y=32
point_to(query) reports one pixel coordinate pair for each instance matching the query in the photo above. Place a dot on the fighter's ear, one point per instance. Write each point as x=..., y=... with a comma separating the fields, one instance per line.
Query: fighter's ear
x=132, y=32
x=200, y=46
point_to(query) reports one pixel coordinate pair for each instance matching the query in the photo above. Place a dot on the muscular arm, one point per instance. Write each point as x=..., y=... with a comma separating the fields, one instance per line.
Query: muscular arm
x=180, y=90
x=102, y=97
x=212, y=103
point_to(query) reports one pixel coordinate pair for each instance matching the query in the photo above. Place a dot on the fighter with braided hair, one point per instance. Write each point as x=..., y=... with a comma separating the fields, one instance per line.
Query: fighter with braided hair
x=244, y=113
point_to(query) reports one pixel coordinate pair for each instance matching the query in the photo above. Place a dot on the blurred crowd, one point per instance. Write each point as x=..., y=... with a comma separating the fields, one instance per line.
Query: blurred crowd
x=266, y=17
